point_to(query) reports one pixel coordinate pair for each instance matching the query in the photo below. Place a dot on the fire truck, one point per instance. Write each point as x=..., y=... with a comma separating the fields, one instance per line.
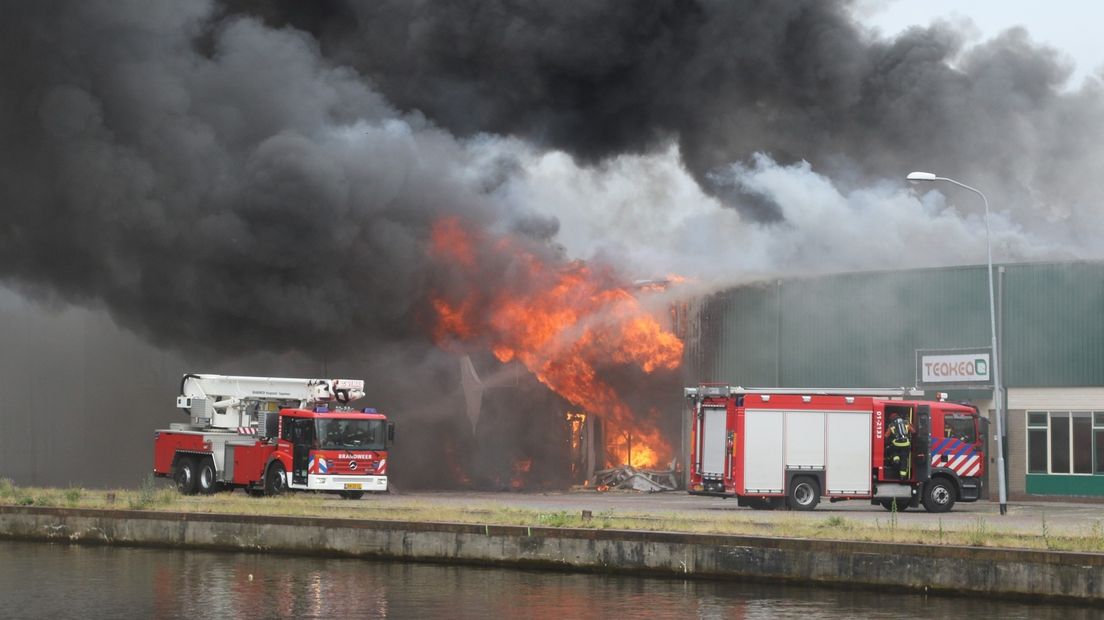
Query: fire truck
x=268, y=435
x=788, y=448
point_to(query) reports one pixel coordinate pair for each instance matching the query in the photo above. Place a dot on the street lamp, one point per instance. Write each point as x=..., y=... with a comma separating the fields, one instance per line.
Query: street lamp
x=928, y=176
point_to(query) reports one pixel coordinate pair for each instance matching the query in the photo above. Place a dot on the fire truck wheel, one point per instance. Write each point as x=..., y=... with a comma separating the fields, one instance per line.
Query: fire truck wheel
x=206, y=482
x=351, y=494
x=275, y=481
x=939, y=495
x=185, y=475
x=804, y=493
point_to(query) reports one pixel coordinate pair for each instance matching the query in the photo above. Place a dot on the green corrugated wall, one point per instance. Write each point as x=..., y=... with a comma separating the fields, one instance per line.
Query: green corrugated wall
x=862, y=329
x=1054, y=325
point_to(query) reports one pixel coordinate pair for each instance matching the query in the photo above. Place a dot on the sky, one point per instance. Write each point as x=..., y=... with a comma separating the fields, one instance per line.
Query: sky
x=1062, y=24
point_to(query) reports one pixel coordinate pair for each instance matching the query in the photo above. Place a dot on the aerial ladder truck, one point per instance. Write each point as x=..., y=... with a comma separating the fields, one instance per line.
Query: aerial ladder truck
x=269, y=435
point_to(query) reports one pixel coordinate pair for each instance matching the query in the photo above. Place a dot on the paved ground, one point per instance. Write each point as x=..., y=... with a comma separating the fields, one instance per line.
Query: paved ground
x=1023, y=517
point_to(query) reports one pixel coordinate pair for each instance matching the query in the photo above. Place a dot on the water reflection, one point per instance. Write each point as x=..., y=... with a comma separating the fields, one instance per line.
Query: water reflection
x=47, y=580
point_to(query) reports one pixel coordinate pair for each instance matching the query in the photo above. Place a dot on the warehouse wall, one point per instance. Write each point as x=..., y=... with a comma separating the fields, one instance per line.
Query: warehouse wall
x=864, y=328
x=842, y=331
x=1053, y=329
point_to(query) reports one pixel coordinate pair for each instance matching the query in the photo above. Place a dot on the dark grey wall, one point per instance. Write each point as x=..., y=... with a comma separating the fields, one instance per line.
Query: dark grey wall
x=79, y=397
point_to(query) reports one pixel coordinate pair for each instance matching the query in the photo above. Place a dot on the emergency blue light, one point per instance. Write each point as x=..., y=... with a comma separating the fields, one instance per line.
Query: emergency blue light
x=321, y=409
x=369, y=410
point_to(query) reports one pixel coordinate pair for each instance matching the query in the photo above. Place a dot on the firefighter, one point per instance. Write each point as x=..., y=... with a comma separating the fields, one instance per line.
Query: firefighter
x=899, y=445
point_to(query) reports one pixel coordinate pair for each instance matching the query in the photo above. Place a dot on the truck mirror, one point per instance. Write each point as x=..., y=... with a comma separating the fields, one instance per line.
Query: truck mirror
x=390, y=432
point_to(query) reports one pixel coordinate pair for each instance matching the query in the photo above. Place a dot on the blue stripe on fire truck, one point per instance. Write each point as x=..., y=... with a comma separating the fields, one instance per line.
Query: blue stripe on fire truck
x=318, y=465
x=963, y=448
x=960, y=456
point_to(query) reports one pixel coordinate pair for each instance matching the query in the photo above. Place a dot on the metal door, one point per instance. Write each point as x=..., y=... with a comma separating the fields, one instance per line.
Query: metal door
x=764, y=450
x=714, y=441
x=922, y=446
x=848, y=458
x=302, y=440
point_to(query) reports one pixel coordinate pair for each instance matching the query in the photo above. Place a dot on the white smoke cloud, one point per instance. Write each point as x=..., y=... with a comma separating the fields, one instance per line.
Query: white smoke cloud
x=648, y=214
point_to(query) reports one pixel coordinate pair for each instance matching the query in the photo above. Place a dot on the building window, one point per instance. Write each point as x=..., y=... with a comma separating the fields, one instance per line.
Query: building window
x=1098, y=440
x=1065, y=442
x=1059, y=443
x=1036, y=442
x=1081, y=422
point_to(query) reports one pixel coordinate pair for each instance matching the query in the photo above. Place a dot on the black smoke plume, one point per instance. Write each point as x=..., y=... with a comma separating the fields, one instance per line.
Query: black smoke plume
x=216, y=182
x=796, y=80
x=265, y=174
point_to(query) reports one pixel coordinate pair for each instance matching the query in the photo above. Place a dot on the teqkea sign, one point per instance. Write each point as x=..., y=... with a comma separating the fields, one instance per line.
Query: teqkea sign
x=967, y=367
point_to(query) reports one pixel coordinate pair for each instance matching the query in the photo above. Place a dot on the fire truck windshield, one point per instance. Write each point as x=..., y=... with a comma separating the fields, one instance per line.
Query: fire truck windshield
x=960, y=427
x=336, y=434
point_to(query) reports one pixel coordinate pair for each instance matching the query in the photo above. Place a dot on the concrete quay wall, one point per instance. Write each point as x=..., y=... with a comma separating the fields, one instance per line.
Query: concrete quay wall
x=993, y=572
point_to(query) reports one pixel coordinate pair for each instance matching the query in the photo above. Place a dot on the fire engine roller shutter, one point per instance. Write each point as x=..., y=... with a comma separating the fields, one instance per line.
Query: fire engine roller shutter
x=848, y=466
x=804, y=439
x=228, y=463
x=714, y=431
x=763, y=451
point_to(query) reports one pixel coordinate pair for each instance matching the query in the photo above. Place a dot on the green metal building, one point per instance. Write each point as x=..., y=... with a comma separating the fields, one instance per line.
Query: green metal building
x=865, y=329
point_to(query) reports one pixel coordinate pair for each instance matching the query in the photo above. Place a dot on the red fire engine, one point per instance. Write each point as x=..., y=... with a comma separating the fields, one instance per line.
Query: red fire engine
x=774, y=448
x=268, y=435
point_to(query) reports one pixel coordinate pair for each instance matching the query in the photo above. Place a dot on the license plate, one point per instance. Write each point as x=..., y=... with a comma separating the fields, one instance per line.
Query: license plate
x=352, y=485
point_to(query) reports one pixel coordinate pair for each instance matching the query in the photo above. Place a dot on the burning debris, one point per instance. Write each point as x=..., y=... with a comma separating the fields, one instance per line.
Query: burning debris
x=628, y=477
x=521, y=470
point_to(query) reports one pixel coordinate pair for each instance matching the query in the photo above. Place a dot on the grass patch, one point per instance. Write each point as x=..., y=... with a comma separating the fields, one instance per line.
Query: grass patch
x=559, y=519
x=836, y=522
x=978, y=533
x=151, y=494
x=146, y=495
x=73, y=496
x=46, y=500
x=1095, y=536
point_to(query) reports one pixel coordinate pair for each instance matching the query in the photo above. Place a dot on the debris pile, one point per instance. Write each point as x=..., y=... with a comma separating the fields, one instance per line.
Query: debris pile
x=629, y=478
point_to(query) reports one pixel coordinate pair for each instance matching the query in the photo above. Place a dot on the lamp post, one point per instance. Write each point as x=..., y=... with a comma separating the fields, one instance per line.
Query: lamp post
x=997, y=400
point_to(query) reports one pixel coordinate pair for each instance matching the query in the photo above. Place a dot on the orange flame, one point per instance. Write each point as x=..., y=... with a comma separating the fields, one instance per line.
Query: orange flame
x=564, y=324
x=636, y=447
x=522, y=468
x=450, y=240
x=459, y=476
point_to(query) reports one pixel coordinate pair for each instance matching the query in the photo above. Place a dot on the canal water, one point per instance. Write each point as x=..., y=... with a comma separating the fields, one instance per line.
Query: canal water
x=43, y=580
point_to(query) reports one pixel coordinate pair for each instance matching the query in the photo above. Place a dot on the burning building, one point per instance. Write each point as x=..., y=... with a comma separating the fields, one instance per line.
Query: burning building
x=576, y=329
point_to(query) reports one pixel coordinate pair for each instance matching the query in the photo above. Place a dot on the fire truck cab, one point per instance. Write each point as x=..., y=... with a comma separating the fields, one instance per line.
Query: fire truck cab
x=775, y=448
x=268, y=435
